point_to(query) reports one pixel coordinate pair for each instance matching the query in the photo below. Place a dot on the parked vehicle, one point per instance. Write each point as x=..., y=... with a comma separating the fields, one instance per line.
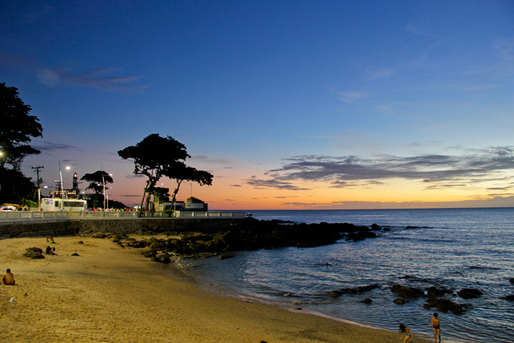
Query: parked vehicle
x=9, y=207
x=57, y=204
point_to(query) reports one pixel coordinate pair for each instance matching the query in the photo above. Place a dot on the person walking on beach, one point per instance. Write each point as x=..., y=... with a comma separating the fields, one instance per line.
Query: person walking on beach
x=437, y=327
x=8, y=278
x=405, y=332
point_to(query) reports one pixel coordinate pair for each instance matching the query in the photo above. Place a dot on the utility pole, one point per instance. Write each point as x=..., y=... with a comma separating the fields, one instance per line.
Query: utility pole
x=38, y=186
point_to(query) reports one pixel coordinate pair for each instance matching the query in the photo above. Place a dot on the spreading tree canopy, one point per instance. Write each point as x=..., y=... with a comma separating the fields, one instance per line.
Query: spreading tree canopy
x=181, y=173
x=156, y=156
x=17, y=128
x=97, y=180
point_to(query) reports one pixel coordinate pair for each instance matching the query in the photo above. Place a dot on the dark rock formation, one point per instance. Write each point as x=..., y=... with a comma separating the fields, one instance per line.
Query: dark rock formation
x=353, y=290
x=509, y=297
x=469, y=293
x=399, y=301
x=247, y=234
x=445, y=305
x=435, y=292
x=35, y=253
x=367, y=301
x=375, y=227
x=407, y=292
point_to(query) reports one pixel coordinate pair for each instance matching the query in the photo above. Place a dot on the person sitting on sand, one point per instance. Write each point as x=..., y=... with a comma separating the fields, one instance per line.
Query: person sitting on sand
x=49, y=251
x=8, y=278
x=437, y=327
x=52, y=240
x=48, y=239
x=405, y=331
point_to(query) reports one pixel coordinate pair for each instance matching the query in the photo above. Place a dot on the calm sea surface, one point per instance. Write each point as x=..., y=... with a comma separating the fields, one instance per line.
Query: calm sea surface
x=451, y=248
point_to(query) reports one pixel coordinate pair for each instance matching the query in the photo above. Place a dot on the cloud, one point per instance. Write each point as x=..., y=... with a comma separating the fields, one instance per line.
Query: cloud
x=504, y=200
x=374, y=74
x=437, y=171
x=274, y=183
x=51, y=146
x=100, y=78
x=350, y=96
x=95, y=78
x=207, y=159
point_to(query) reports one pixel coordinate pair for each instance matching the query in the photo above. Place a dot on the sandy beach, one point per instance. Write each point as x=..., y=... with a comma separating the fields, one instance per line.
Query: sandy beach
x=113, y=294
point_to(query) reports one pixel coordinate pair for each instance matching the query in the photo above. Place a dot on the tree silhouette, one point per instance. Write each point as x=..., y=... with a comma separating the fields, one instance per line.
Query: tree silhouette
x=151, y=156
x=16, y=128
x=97, y=181
x=155, y=157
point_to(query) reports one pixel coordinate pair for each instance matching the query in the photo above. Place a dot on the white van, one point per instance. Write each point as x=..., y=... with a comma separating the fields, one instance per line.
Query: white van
x=56, y=204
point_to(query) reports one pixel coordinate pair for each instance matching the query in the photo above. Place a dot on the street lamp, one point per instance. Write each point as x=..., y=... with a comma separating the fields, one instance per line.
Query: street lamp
x=62, y=183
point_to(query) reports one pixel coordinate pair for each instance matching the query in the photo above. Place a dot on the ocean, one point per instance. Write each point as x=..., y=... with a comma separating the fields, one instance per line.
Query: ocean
x=451, y=248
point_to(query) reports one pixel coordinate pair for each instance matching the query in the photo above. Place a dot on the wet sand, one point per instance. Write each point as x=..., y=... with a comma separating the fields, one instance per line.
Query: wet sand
x=113, y=294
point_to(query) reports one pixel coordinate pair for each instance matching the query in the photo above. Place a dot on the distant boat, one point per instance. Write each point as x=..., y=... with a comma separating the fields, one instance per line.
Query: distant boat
x=249, y=215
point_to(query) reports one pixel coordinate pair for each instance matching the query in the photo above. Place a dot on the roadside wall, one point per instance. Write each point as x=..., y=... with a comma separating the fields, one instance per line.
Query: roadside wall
x=116, y=226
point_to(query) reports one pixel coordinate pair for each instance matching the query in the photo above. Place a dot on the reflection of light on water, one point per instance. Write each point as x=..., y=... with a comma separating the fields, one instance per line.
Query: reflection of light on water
x=439, y=256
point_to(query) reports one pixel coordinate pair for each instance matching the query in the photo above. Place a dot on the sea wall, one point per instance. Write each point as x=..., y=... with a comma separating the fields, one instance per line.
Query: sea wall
x=115, y=226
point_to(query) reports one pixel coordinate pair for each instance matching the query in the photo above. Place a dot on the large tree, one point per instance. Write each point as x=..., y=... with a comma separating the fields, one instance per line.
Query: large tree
x=183, y=173
x=155, y=157
x=97, y=181
x=151, y=157
x=17, y=128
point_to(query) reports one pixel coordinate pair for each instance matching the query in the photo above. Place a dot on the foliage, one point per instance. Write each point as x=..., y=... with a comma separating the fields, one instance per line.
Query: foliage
x=152, y=156
x=97, y=181
x=155, y=157
x=18, y=189
x=184, y=173
x=16, y=129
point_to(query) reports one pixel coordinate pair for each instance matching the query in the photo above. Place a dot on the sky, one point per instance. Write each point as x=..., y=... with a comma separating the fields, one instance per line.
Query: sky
x=289, y=104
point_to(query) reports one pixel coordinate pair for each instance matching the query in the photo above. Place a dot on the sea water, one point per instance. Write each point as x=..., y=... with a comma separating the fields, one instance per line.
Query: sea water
x=450, y=248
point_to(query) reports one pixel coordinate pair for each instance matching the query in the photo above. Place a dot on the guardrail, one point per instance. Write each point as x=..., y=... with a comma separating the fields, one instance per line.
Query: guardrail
x=42, y=215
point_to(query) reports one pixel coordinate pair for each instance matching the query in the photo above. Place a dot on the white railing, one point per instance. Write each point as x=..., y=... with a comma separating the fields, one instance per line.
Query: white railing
x=42, y=215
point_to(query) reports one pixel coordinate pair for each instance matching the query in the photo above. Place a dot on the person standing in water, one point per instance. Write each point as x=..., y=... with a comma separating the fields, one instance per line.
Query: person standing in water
x=437, y=327
x=405, y=331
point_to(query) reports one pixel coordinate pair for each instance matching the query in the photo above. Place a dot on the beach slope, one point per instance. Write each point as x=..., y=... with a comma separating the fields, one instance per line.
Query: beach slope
x=113, y=294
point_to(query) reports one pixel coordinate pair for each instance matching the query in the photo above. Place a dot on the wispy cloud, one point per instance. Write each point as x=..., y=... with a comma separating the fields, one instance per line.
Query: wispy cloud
x=436, y=171
x=101, y=78
x=374, y=74
x=51, y=146
x=350, y=96
x=96, y=78
x=274, y=183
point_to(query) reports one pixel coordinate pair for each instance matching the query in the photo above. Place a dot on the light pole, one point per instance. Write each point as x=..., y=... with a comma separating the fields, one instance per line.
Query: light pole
x=38, y=186
x=60, y=174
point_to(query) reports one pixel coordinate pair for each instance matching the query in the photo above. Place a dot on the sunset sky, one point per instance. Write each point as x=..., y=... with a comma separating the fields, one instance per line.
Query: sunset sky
x=289, y=104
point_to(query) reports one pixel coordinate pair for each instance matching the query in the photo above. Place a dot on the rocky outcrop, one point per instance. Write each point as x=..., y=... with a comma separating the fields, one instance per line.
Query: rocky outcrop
x=35, y=253
x=353, y=290
x=400, y=301
x=407, y=292
x=248, y=234
x=445, y=305
x=469, y=293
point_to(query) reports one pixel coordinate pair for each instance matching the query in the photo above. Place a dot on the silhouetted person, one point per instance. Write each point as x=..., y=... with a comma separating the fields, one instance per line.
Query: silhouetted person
x=437, y=327
x=405, y=331
x=8, y=278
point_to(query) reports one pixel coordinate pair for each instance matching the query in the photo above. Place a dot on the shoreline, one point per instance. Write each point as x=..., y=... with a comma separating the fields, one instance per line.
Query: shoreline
x=113, y=294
